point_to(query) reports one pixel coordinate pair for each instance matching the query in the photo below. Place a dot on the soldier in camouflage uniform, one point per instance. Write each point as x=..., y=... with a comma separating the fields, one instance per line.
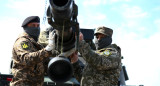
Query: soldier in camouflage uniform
x=29, y=56
x=103, y=65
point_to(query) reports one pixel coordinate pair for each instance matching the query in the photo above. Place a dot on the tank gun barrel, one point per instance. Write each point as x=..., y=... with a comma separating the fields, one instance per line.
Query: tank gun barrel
x=62, y=16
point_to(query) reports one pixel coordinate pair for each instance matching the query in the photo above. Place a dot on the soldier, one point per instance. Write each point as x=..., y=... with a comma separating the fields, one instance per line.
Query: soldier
x=103, y=65
x=29, y=56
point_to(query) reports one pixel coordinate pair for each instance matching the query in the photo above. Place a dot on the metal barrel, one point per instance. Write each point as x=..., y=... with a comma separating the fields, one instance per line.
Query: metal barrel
x=60, y=69
x=61, y=15
x=61, y=11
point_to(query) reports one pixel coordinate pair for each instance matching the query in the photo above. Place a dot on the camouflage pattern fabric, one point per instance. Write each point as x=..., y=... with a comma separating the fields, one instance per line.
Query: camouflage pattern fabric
x=28, y=62
x=103, y=66
x=77, y=71
x=43, y=38
x=104, y=30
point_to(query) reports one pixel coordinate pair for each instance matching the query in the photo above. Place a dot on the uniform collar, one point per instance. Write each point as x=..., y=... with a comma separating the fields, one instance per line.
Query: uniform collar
x=27, y=35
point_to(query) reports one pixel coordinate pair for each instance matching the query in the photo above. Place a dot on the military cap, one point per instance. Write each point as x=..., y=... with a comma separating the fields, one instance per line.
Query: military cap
x=30, y=19
x=104, y=30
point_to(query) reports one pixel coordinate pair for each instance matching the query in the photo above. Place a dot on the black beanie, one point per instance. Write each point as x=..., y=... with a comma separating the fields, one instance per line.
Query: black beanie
x=30, y=19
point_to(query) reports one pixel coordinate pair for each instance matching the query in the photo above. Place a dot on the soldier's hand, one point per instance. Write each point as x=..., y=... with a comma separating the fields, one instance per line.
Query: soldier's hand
x=80, y=37
x=74, y=57
x=51, y=42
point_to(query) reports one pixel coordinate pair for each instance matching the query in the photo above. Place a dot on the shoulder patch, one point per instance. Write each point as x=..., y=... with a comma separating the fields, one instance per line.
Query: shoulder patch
x=107, y=52
x=25, y=45
x=104, y=52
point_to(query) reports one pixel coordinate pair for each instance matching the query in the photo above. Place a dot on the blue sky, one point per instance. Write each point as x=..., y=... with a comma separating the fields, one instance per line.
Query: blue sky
x=136, y=25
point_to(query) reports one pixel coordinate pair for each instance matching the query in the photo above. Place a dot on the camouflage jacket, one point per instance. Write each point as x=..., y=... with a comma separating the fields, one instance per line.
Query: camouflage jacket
x=28, y=62
x=103, y=66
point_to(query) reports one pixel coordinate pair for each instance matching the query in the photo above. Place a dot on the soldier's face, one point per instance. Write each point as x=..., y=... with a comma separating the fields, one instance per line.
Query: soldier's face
x=33, y=24
x=99, y=36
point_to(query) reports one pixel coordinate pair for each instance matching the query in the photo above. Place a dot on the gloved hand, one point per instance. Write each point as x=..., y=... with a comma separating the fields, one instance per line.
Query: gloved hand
x=51, y=42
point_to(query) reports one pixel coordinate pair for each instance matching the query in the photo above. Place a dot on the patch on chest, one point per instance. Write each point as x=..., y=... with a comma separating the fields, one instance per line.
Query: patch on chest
x=107, y=52
x=25, y=45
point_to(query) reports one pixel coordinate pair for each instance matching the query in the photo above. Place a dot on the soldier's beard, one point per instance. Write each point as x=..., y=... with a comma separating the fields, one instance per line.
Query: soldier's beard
x=103, y=42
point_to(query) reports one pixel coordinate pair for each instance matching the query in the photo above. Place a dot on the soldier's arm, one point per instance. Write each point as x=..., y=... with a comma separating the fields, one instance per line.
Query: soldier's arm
x=101, y=62
x=25, y=54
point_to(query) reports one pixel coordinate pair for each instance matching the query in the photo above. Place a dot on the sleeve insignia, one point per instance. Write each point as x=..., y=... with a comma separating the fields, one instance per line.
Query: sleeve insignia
x=25, y=45
x=107, y=52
